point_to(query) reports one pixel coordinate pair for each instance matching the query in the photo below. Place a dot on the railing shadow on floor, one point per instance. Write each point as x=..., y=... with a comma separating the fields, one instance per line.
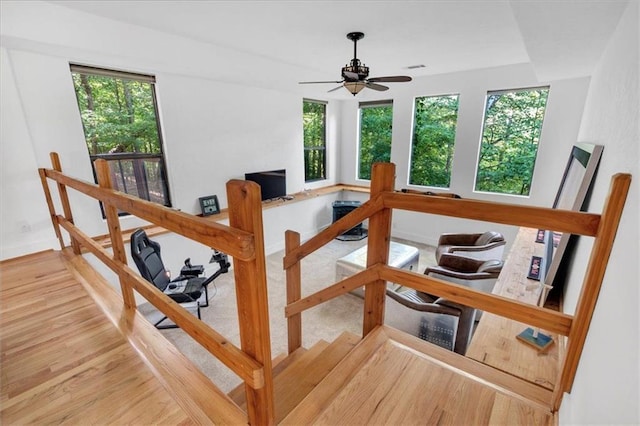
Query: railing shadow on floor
x=242, y=239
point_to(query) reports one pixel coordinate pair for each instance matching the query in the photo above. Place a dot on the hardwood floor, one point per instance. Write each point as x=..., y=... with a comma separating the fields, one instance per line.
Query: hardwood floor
x=63, y=361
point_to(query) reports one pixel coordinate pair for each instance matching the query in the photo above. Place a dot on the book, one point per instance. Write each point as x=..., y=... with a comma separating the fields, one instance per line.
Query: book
x=540, y=341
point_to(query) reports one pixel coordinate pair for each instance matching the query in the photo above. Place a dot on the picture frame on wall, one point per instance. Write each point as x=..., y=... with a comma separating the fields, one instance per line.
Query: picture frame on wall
x=209, y=205
x=573, y=194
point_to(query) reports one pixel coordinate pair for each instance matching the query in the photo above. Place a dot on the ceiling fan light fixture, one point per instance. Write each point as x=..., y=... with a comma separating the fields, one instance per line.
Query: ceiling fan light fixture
x=354, y=87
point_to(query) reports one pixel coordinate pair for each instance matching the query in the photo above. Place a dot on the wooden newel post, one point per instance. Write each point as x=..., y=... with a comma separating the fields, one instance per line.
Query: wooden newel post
x=64, y=199
x=113, y=222
x=382, y=180
x=245, y=213
x=294, y=292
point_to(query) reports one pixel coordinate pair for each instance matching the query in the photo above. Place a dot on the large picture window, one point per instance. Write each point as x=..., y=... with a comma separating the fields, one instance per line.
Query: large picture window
x=120, y=120
x=434, y=134
x=510, y=136
x=314, y=119
x=376, y=120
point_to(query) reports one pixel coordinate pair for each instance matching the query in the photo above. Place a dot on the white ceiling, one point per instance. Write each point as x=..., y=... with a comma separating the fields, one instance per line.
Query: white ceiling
x=305, y=40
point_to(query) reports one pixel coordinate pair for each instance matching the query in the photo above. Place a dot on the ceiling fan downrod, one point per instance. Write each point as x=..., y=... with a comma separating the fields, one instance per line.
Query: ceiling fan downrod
x=355, y=71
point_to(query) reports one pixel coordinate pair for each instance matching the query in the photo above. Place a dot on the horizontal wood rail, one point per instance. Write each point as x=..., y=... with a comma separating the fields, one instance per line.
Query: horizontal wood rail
x=529, y=314
x=378, y=210
x=230, y=355
x=243, y=240
x=234, y=242
x=574, y=222
x=337, y=228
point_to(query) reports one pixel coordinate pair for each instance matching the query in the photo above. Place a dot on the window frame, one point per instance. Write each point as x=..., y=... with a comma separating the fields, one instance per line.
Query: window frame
x=365, y=105
x=323, y=148
x=413, y=139
x=482, y=130
x=135, y=157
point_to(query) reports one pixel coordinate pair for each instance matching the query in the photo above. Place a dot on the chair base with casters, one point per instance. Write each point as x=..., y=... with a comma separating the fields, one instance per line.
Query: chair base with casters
x=186, y=289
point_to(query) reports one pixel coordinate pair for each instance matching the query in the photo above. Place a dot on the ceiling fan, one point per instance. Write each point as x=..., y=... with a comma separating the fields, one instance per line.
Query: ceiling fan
x=355, y=76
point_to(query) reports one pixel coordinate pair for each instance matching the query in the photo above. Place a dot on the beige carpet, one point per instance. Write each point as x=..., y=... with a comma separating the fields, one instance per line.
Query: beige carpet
x=325, y=321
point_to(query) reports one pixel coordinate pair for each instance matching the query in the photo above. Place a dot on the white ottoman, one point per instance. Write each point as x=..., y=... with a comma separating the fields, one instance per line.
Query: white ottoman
x=400, y=256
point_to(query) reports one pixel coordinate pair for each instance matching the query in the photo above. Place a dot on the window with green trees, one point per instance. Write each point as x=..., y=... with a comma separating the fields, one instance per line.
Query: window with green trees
x=375, y=135
x=314, y=120
x=510, y=136
x=434, y=134
x=120, y=120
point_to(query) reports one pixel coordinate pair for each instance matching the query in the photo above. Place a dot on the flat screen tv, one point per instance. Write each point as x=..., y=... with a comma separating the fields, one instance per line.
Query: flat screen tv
x=273, y=183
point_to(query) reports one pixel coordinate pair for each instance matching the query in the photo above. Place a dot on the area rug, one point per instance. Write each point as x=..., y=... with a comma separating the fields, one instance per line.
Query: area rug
x=324, y=322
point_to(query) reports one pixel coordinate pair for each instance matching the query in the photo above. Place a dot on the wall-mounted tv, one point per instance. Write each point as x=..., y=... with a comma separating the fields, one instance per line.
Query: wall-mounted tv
x=273, y=183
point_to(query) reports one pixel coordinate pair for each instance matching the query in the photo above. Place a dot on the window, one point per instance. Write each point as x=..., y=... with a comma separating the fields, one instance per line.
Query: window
x=314, y=120
x=510, y=136
x=375, y=135
x=121, y=126
x=434, y=133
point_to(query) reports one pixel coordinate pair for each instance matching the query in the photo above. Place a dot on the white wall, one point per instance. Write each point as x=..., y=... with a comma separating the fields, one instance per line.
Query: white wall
x=213, y=130
x=559, y=133
x=606, y=388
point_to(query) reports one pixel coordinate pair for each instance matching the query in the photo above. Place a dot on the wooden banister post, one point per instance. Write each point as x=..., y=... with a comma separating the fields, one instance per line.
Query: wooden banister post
x=294, y=292
x=113, y=222
x=52, y=210
x=382, y=180
x=64, y=199
x=245, y=213
x=598, y=260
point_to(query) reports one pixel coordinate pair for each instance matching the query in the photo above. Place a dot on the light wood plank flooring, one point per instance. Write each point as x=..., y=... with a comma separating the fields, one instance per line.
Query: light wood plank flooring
x=63, y=361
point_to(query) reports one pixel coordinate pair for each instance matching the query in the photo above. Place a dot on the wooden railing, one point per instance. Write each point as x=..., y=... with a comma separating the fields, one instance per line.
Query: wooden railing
x=378, y=210
x=242, y=239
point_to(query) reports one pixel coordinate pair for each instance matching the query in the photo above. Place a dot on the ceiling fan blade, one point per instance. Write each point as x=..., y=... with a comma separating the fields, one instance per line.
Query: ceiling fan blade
x=319, y=82
x=378, y=87
x=335, y=88
x=391, y=79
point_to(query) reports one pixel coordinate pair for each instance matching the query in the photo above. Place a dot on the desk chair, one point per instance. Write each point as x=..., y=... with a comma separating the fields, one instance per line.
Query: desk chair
x=488, y=245
x=185, y=289
x=441, y=322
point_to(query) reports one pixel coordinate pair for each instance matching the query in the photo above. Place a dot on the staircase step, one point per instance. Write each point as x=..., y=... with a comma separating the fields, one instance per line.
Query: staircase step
x=279, y=363
x=299, y=373
x=295, y=382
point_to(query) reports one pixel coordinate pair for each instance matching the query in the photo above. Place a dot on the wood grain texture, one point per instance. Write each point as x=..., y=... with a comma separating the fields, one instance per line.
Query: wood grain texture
x=62, y=359
x=384, y=381
x=210, y=233
x=294, y=292
x=245, y=214
x=494, y=342
x=602, y=246
x=64, y=197
x=242, y=364
x=580, y=223
x=382, y=180
x=189, y=387
x=500, y=305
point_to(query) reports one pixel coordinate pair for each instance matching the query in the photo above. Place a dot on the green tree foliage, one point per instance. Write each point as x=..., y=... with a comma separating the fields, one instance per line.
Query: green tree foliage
x=314, y=124
x=512, y=126
x=118, y=115
x=433, y=140
x=120, y=126
x=375, y=137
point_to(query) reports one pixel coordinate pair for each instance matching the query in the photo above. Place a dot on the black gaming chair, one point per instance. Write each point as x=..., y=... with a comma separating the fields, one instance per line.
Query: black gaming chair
x=188, y=287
